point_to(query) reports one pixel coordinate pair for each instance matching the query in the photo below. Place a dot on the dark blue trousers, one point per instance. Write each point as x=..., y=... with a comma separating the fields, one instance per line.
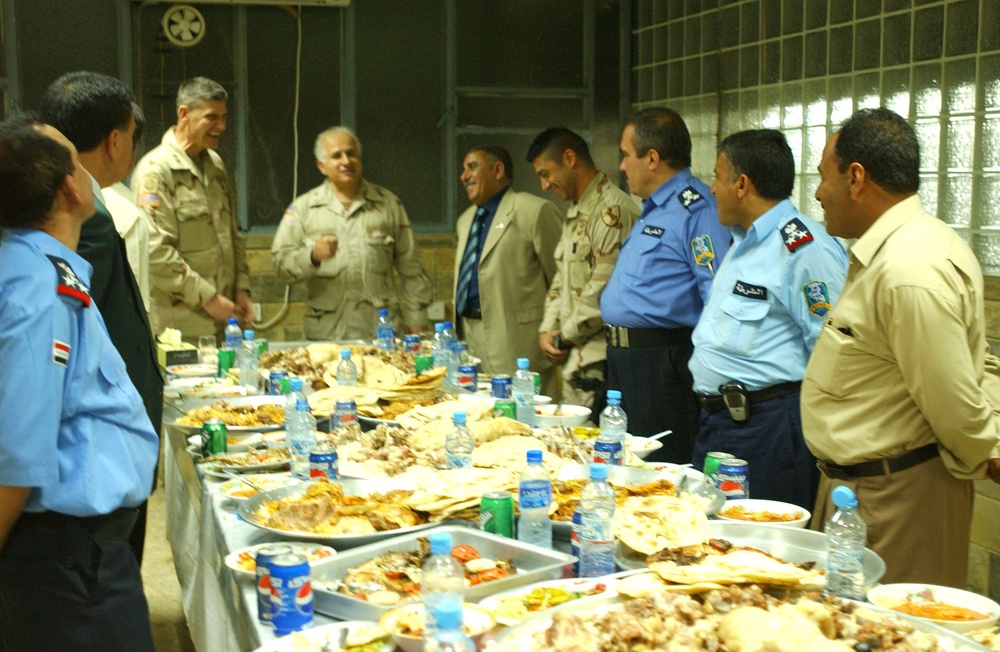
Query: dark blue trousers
x=781, y=465
x=69, y=591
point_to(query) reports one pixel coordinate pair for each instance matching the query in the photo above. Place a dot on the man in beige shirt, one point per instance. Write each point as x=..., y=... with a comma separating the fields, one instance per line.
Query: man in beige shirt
x=599, y=218
x=343, y=238
x=197, y=261
x=900, y=397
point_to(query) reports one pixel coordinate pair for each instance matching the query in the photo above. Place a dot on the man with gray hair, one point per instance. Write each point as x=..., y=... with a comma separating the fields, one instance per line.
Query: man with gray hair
x=197, y=262
x=343, y=239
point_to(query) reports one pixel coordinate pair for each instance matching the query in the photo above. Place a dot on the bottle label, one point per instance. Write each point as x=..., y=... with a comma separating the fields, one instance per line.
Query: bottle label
x=534, y=494
x=594, y=530
x=609, y=453
x=458, y=461
x=846, y=563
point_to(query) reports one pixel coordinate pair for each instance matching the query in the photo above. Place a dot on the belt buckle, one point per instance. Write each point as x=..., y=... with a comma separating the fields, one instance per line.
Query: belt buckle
x=623, y=338
x=830, y=472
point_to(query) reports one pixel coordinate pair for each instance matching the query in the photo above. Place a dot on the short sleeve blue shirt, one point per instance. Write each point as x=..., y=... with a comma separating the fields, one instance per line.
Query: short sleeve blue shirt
x=74, y=427
x=665, y=266
x=768, y=303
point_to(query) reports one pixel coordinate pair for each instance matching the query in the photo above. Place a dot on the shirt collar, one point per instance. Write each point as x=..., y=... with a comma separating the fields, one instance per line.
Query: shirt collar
x=589, y=196
x=770, y=219
x=493, y=202
x=670, y=187
x=98, y=195
x=182, y=160
x=887, y=223
x=50, y=245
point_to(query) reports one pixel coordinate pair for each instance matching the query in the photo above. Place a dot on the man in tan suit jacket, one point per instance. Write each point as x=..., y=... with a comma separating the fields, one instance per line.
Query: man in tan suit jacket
x=503, y=266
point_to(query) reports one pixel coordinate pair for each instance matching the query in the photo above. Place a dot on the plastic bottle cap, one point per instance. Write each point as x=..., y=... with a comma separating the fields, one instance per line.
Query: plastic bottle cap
x=438, y=327
x=534, y=457
x=843, y=497
x=302, y=404
x=345, y=354
x=383, y=312
x=440, y=543
x=448, y=324
x=295, y=384
x=448, y=614
x=232, y=321
x=615, y=394
x=248, y=334
x=598, y=471
x=458, y=417
x=522, y=363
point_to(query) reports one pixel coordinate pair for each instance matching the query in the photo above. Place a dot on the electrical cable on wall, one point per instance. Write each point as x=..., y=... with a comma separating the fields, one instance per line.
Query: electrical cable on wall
x=283, y=311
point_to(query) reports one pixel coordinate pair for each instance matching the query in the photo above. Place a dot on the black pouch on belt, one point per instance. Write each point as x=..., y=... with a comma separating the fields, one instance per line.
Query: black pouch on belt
x=737, y=402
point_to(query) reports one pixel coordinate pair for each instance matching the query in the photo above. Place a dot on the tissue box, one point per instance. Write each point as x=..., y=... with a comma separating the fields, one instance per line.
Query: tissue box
x=171, y=354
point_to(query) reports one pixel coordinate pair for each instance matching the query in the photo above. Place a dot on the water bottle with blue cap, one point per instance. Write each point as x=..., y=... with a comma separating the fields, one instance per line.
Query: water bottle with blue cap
x=846, y=534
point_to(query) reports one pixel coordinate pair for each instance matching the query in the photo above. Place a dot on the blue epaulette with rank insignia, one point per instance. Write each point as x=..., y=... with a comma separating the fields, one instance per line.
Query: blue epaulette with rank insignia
x=688, y=196
x=795, y=234
x=69, y=284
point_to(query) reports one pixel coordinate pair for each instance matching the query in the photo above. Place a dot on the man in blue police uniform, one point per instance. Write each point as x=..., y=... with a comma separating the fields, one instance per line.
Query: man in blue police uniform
x=77, y=449
x=766, y=309
x=660, y=284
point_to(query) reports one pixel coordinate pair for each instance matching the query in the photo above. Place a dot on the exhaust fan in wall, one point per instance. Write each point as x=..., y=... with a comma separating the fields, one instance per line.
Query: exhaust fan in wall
x=183, y=25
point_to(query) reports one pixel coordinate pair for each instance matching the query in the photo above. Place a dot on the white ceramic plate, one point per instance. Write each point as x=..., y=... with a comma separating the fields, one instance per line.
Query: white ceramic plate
x=495, y=602
x=192, y=370
x=886, y=595
x=239, y=491
x=314, y=639
x=774, y=506
x=242, y=561
x=642, y=446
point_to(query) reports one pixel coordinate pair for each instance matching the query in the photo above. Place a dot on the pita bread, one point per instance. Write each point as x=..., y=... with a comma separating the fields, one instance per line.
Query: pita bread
x=323, y=401
x=740, y=566
x=648, y=524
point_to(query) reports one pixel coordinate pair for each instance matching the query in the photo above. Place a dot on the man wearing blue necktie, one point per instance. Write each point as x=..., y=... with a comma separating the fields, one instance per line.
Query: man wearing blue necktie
x=503, y=266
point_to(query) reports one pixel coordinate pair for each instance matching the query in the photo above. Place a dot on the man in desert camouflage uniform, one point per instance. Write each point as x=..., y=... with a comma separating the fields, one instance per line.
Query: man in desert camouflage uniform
x=598, y=220
x=343, y=239
x=197, y=263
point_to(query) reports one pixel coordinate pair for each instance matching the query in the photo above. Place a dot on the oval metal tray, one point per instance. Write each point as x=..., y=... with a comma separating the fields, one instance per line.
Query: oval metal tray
x=248, y=512
x=791, y=544
x=255, y=401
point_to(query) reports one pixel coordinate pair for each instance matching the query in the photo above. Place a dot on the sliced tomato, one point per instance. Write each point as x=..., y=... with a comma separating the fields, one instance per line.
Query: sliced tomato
x=464, y=553
x=487, y=576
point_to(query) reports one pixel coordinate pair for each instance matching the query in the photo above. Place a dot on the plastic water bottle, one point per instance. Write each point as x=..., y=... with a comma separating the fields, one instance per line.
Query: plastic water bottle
x=233, y=335
x=442, y=580
x=523, y=387
x=441, y=347
x=384, y=331
x=459, y=443
x=249, y=358
x=450, y=339
x=596, y=538
x=534, y=495
x=449, y=636
x=347, y=372
x=610, y=445
x=846, y=534
x=301, y=437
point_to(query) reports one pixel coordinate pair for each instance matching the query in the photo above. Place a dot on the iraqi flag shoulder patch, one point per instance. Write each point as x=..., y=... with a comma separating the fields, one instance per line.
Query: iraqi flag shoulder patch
x=60, y=352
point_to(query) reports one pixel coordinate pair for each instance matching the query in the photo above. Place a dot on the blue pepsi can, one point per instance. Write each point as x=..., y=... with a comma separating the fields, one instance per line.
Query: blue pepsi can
x=608, y=452
x=468, y=379
x=574, y=541
x=265, y=555
x=411, y=343
x=323, y=463
x=733, y=478
x=345, y=414
x=501, y=386
x=291, y=594
x=274, y=381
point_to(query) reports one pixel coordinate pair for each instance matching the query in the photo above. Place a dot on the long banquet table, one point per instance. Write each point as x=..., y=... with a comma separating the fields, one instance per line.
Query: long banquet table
x=203, y=527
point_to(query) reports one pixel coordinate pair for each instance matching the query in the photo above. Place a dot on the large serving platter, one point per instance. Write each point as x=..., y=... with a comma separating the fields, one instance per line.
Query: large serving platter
x=255, y=401
x=323, y=637
x=352, y=487
x=533, y=564
x=791, y=544
x=519, y=633
x=635, y=475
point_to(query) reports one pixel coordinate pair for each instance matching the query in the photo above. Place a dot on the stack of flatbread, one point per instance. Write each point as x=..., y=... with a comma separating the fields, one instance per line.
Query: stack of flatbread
x=323, y=401
x=648, y=524
x=391, y=382
x=456, y=493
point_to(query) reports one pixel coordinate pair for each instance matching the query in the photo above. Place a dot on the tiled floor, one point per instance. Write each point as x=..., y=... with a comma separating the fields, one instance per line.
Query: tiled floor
x=170, y=632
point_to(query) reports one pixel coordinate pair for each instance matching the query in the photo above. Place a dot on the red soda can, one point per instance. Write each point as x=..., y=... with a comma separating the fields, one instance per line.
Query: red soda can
x=264, y=556
x=291, y=594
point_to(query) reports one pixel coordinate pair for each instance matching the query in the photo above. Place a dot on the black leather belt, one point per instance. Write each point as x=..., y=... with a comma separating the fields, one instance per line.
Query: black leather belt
x=473, y=313
x=116, y=525
x=626, y=338
x=884, y=466
x=715, y=402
